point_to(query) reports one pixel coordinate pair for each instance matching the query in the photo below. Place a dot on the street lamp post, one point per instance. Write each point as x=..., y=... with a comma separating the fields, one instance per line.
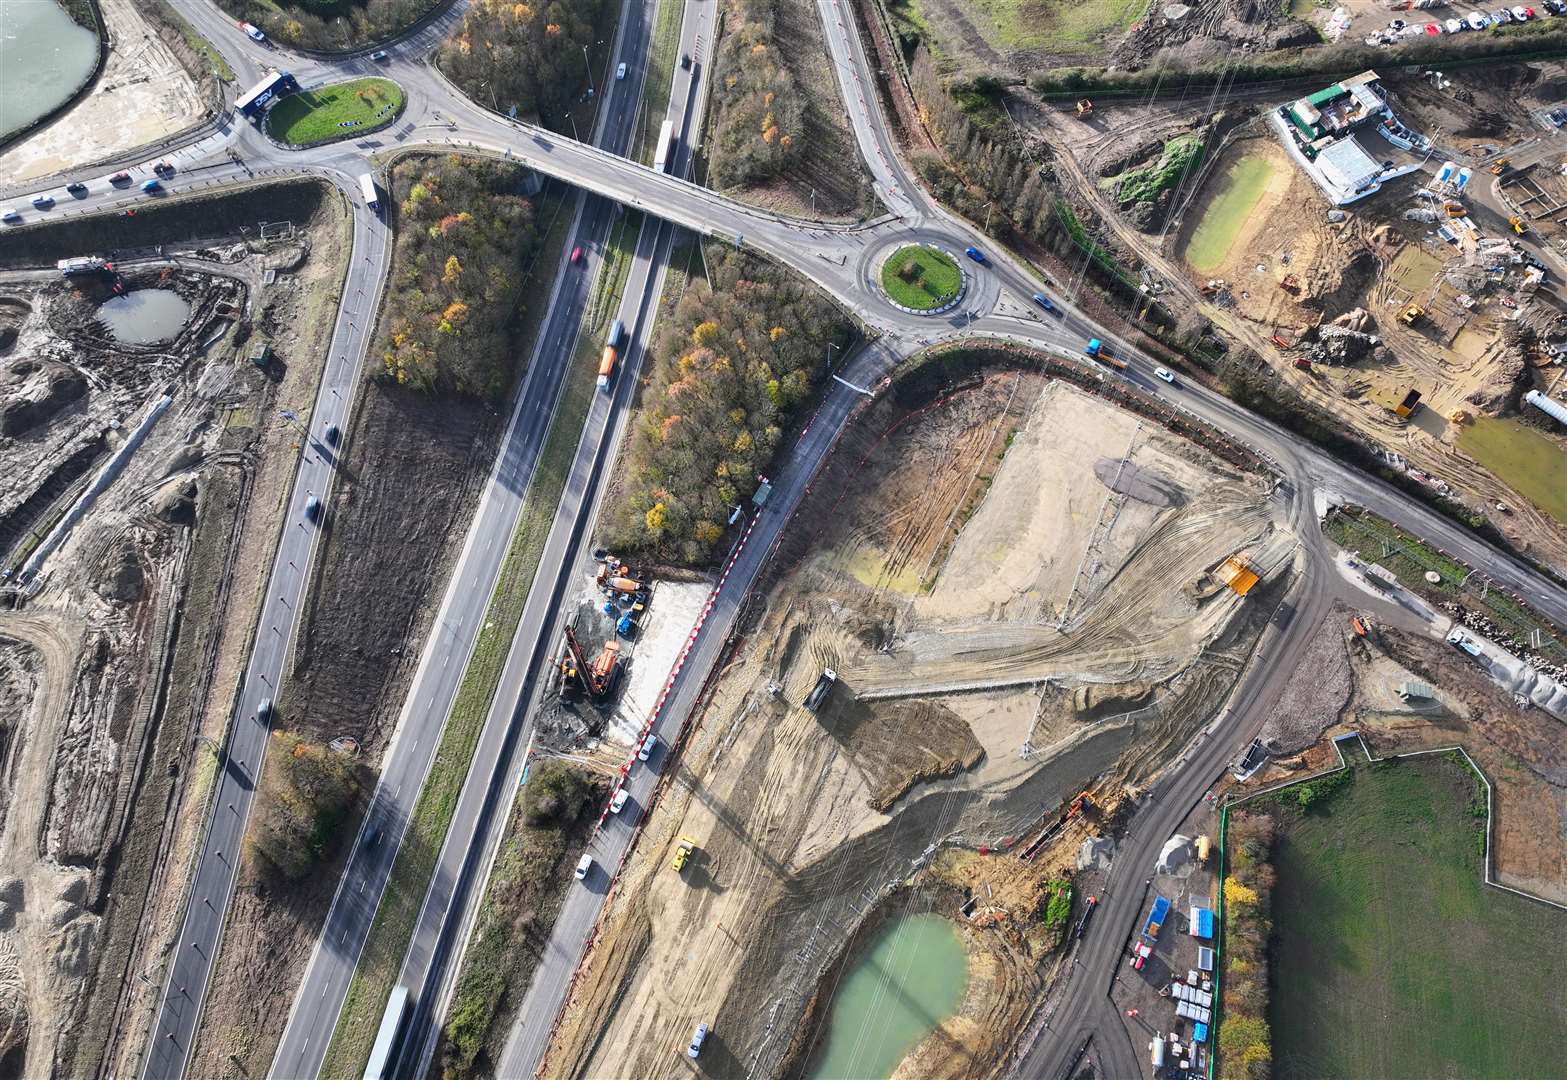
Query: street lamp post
x=592, y=90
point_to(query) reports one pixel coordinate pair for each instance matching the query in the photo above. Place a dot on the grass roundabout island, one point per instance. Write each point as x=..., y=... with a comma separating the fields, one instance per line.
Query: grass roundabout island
x=921, y=278
x=339, y=111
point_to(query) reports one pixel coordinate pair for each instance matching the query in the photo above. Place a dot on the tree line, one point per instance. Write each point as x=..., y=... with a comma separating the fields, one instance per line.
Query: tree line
x=758, y=130
x=464, y=232
x=730, y=366
x=1244, y=1038
x=329, y=24
x=527, y=56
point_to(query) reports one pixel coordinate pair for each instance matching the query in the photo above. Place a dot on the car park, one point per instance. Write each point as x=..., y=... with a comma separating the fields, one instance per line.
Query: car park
x=43, y=202
x=698, y=1037
x=1166, y=374
x=649, y=744
x=620, y=72
x=584, y=864
x=76, y=187
x=618, y=803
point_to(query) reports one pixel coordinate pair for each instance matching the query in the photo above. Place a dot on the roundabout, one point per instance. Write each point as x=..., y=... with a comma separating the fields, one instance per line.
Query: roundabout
x=922, y=279
x=340, y=111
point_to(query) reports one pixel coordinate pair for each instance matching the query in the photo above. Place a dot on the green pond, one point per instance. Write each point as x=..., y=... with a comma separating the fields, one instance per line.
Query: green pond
x=911, y=979
x=1239, y=191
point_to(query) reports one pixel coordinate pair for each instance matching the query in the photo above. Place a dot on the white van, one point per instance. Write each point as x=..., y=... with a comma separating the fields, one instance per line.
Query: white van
x=698, y=1037
x=584, y=864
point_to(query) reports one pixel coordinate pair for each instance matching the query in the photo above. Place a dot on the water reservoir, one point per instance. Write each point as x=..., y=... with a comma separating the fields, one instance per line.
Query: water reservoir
x=44, y=57
x=911, y=978
x=145, y=316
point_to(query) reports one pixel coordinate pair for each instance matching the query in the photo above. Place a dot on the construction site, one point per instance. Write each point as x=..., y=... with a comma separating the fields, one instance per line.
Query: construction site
x=937, y=695
x=139, y=398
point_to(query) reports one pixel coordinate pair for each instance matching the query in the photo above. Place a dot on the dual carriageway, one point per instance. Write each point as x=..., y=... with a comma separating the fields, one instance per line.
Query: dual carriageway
x=843, y=259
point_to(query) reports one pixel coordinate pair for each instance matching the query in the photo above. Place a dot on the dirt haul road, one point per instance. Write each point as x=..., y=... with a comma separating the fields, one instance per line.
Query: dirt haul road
x=804, y=822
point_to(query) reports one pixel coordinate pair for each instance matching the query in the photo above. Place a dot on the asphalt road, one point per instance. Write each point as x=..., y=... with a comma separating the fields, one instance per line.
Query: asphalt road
x=842, y=259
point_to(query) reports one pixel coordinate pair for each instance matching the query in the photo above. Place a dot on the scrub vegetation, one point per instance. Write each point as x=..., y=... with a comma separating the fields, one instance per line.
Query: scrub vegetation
x=1245, y=1047
x=549, y=824
x=308, y=794
x=729, y=369
x=526, y=56
x=329, y=25
x=464, y=233
x=757, y=132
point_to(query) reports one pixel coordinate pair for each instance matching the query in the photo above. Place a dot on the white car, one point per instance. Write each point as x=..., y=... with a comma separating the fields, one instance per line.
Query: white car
x=1520, y=13
x=254, y=32
x=1454, y=26
x=618, y=803
x=697, y=1039
x=584, y=864
x=620, y=72
x=1166, y=374
x=649, y=744
x=1477, y=20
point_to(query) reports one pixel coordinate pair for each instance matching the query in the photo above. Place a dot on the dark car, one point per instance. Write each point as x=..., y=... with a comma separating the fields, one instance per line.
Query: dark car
x=332, y=435
x=685, y=61
x=76, y=188
x=164, y=168
x=313, y=508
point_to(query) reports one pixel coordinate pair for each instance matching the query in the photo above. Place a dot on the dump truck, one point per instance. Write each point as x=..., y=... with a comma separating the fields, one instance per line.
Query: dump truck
x=819, y=692
x=601, y=675
x=1085, y=108
x=607, y=366
x=1409, y=405
x=1099, y=351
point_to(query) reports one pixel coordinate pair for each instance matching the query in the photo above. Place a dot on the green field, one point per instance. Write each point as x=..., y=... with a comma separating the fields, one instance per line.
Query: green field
x=1521, y=458
x=1239, y=189
x=1392, y=958
x=317, y=116
x=920, y=277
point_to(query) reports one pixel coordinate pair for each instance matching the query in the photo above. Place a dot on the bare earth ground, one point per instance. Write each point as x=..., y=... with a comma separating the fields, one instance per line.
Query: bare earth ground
x=805, y=822
x=113, y=654
x=143, y=95
x=1348, y=682
x=1377, y=262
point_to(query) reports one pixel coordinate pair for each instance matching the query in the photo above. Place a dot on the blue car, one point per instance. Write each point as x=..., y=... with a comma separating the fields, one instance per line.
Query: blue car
x=150, y=186
x=1044, y=301
x=975, y=254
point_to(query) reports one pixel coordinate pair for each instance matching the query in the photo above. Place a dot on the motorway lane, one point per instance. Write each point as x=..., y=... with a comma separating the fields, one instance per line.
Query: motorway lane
x=189, y=963
x=329, y=974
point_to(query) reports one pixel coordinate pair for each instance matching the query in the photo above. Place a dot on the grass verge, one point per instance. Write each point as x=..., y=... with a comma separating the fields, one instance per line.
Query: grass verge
x=550, y=822
x=611, y=283
x=660, y=78
x=920, y=277
x=1521, y=458
x=356, y=107
x=1392, y=957
x=389, y=934
x=162, y=11
x=1380, y=541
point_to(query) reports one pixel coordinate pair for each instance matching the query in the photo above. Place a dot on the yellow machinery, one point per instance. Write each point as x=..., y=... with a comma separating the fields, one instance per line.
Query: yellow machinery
x=1411, y=314
x=1517, y=223
x=1500, y=167
x=682, y=853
